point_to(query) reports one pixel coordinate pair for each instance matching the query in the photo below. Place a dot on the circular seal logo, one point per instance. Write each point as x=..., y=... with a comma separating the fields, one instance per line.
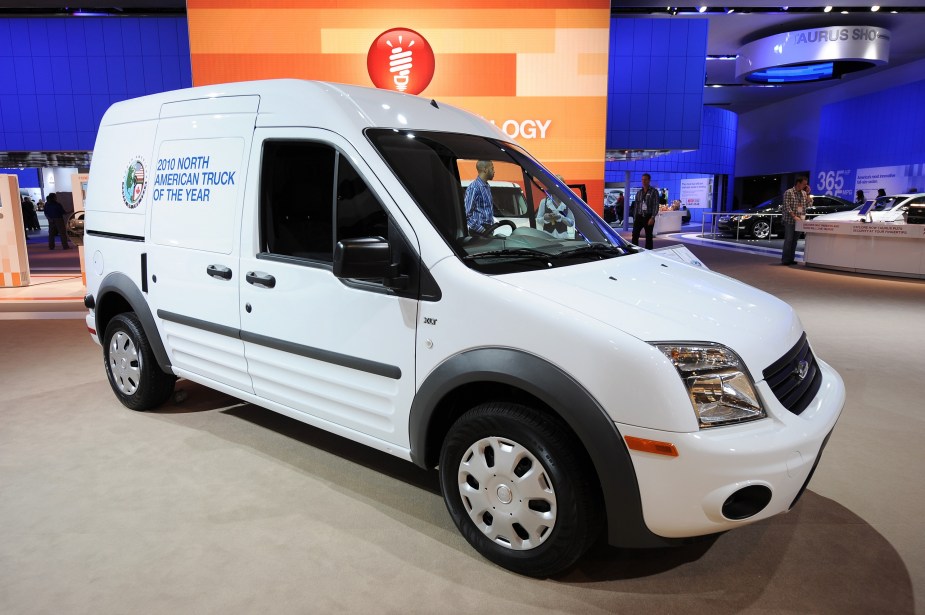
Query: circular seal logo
x=133, y=184
x=402, y=60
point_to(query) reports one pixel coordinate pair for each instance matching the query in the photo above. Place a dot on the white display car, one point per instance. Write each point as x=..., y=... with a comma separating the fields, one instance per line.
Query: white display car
x=303, y=246
x=884, y=209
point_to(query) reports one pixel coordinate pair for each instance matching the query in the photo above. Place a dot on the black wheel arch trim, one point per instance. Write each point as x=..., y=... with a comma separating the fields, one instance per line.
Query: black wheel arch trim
x=120, y=284
x=594, y=428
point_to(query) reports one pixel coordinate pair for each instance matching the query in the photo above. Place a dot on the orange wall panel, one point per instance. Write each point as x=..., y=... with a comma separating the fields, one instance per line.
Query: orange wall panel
x=537, y=68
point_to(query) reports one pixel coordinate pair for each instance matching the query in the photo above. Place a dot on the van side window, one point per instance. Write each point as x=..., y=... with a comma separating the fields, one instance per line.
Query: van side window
x=359, y=213
x=297, y=199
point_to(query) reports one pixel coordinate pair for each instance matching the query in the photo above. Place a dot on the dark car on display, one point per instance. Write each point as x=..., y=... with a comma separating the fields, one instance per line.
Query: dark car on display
x=765, y=220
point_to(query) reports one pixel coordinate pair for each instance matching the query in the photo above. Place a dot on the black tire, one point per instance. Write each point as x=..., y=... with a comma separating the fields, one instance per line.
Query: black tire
x=760, y=229
x=133, y=372
x=518, y=453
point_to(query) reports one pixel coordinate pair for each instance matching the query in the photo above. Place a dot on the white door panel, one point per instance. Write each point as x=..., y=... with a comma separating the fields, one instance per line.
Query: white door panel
x=341, y=352
x=197, y=184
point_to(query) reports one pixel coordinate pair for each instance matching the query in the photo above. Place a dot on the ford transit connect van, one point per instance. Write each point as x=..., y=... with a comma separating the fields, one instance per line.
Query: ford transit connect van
x=305, y=247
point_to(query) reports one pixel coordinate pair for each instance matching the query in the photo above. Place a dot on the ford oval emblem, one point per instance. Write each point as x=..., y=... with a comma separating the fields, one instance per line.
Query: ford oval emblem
x=801, y=370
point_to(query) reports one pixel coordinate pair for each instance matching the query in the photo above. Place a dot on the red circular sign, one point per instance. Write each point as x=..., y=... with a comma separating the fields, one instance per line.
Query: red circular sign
x=401, y=60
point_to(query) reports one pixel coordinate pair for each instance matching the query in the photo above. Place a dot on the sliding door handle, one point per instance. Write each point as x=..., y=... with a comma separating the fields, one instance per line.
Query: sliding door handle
x=218, y=271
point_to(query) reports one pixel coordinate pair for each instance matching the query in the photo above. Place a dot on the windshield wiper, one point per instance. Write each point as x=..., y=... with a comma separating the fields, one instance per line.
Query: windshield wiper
x=603, y=249
x=507, y=253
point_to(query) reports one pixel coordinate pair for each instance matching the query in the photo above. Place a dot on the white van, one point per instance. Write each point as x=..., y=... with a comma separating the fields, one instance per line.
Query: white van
x=303, y=246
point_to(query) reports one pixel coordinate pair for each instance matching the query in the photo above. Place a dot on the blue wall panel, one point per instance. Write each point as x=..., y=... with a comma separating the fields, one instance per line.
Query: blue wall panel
x=655, y=84
x=58, y=75
x=715, y=156
x=28, y=178
x=894, y=115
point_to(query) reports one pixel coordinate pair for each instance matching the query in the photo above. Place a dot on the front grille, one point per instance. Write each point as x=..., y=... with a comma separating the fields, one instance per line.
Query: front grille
x=783, y=376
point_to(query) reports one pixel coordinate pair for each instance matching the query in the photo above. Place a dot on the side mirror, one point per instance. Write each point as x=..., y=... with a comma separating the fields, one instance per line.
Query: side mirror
x=365, y=258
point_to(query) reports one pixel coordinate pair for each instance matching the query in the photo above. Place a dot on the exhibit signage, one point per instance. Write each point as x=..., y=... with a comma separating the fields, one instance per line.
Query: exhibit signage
x=697, y=193
x=850, y=44
x=538, y=74
x=896, y=179
x=882, y=229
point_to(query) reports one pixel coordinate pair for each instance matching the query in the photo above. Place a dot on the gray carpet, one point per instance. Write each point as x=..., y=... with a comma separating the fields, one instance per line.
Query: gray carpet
x=214, y=506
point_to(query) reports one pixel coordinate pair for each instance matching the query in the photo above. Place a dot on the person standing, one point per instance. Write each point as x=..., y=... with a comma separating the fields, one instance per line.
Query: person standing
x=794, y=209
x=28, y=212
x=554, y=216
x=645, y=208
x=54, y=212
x=479, y=209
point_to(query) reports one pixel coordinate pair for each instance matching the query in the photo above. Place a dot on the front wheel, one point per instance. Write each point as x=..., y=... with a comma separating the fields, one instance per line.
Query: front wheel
x=520, y=489
x=131, y=367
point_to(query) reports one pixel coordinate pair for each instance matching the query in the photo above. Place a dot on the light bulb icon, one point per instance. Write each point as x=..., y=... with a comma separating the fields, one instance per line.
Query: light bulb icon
x=400, y=60
x=400, y=63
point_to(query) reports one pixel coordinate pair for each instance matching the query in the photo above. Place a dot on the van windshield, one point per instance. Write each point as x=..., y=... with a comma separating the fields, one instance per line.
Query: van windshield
x=495, y=206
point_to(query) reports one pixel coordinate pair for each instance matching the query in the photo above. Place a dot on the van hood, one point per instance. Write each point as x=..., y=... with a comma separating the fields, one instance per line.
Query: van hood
x=654, y=298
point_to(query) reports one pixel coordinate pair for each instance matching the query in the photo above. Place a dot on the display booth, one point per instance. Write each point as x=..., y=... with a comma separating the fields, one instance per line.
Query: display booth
x=14, y=259
x=75, y=223
x=883, y=248
x=668, y=222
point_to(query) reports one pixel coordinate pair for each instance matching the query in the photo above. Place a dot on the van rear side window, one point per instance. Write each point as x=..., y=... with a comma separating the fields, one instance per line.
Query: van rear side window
x=299, y=222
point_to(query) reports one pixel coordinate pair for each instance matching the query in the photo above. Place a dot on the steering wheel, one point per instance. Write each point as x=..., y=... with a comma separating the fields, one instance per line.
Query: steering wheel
x=499, y=224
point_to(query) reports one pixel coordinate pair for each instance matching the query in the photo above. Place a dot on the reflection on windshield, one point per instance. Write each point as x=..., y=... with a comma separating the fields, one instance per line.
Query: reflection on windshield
x=884, y=203
x=495, y=206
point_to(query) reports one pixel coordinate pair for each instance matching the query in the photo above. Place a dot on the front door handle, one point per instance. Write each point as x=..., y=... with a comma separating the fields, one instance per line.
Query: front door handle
x=218, y=271
x=263, y=280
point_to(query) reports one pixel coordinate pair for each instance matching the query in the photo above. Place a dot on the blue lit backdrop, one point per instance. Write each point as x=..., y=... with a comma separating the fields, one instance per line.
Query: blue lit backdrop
x=59, y=75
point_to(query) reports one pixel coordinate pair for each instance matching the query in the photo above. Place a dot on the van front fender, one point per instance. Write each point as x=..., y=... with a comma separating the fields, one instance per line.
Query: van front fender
x=565, y=396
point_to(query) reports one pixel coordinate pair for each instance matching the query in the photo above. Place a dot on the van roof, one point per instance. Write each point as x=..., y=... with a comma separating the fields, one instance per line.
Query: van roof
x=335, y=106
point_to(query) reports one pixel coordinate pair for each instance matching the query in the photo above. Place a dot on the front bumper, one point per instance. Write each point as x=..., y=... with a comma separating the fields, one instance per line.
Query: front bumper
x=683, y=496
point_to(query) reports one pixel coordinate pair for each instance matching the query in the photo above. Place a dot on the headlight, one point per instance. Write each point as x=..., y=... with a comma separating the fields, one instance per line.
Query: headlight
x=720, y=389
x=746, y=217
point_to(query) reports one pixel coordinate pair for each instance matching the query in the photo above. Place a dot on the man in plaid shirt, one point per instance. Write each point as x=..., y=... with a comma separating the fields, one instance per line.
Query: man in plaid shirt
x=794, y=209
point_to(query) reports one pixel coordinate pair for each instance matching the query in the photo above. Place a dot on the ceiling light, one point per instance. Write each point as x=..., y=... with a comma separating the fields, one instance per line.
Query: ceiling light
x=728, y=11
x=875, y=8
x=702, y=9
x=827, y=9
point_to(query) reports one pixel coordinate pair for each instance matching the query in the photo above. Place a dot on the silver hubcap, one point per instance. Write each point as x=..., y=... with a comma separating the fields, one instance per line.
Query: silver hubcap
x=762, y=230
x=123, y=361
x=507, y=493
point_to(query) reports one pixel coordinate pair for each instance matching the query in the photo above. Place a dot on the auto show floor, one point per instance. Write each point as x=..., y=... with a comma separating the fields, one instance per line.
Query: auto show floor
x=211, y=505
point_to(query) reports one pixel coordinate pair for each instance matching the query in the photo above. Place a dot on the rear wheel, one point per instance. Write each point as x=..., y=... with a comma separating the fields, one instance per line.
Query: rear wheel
x=761, y=229
x=520, y=489
x=133, y=372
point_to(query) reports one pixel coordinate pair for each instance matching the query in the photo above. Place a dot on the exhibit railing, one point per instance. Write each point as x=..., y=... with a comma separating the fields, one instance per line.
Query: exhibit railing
x=742, y=229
